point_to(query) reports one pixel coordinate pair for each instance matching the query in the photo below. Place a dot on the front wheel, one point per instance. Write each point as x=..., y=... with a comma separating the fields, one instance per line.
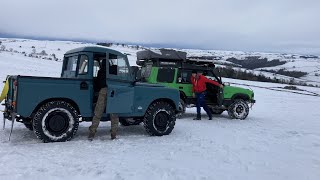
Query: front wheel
x=182, y=108
x=56, y=121
x=159, y=119
x=239, y=109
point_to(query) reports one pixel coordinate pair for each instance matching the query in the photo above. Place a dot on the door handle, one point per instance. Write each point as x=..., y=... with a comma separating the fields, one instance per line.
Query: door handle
x=84, y=86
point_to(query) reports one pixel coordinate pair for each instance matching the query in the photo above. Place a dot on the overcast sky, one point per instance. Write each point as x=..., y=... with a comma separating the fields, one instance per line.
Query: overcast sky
x=249, y=25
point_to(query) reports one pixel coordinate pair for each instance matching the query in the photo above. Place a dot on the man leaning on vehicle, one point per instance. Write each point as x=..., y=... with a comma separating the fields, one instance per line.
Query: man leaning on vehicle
x=199, y=91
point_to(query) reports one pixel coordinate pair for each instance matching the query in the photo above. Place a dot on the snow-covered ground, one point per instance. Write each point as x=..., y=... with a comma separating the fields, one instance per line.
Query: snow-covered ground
x=280, y=139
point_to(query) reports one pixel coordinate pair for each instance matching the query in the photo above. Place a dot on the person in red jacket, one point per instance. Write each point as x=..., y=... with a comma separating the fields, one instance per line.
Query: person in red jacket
x=199, y=91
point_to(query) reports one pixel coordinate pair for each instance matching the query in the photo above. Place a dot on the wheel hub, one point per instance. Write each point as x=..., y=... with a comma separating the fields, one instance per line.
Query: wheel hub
x=239, y=109
x=57, y=122
x=161, y=121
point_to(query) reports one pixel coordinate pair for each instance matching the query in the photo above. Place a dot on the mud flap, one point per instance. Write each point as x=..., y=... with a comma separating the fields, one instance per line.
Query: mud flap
x=12, y=122
x=4, y=123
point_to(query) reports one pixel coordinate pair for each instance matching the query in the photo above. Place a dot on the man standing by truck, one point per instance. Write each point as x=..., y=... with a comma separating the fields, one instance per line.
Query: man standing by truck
x=101, y=105
x=199, y=91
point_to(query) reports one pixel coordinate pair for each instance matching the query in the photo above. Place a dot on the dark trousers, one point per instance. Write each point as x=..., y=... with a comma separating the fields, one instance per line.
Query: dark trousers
x=202, y=103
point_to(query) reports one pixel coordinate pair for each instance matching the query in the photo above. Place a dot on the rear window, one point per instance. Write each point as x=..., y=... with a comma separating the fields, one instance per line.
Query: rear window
x=71, y=64
x=165, y=75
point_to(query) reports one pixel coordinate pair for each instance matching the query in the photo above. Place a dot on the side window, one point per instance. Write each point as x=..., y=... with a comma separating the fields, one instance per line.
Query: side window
x=118, y=66
x=165, y=75
x=210, y=75
x=83, y=64
x=96, y=68
x=184, y=76
x=71, y=63
x=146, y=71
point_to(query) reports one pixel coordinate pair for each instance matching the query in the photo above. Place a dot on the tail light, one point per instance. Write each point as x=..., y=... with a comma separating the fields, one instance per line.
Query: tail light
x=14, y=104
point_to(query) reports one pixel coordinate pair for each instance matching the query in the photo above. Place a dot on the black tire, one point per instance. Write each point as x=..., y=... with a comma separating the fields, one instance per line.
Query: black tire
x=159, y=119
x=56, y=121
x=28, y=126
x=216, y=111
x=239, y=109
x=182, y=108
x=129, y=122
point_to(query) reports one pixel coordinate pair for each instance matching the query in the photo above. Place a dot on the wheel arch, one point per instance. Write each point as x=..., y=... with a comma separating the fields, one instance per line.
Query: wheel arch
x=183, y=96
x=170, y=101
x=240, y=96
x=70, y=101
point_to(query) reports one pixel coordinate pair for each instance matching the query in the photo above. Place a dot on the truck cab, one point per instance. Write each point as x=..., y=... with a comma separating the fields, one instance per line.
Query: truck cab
x=53, y=107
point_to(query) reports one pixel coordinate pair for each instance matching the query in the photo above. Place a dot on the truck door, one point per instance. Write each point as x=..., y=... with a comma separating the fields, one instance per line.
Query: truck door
x=75, y=67
x=119, y=81
x=211, y=75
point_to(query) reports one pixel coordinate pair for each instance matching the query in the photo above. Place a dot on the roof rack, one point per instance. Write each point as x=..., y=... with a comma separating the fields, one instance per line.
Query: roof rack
x=169, y=57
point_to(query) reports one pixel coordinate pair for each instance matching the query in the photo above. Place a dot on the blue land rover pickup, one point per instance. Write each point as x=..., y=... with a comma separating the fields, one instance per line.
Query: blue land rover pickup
x=53, y=107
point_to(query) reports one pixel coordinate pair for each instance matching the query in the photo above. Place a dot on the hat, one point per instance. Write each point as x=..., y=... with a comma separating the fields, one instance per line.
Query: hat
x=194, y=71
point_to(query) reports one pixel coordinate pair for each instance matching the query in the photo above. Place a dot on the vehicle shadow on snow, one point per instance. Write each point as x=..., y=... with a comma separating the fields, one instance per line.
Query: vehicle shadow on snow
x=19, y=135
x=22, y=135
x=190, y=116
x=103, y=132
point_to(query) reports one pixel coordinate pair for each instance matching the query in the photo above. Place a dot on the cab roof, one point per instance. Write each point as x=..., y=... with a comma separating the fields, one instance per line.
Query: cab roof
x=94, y=49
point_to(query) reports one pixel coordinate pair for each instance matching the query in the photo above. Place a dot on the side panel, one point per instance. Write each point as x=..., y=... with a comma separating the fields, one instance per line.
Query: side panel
x=33, y=90
x=145, y=95
x=229, y=91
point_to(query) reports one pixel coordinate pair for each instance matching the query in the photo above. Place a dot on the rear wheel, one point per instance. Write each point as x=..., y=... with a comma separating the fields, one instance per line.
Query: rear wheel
x=159, y=119
x=239, y=109
x=56, y=121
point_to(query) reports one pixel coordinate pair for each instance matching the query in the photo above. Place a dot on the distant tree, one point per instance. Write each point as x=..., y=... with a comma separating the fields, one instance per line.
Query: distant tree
x=20, y=46
x=59, y=49
x=54, y=57
x=2, y=48
x=291, y=81
x=10, y=49
x=0, y=42
x=43, y=53
x=33, y=47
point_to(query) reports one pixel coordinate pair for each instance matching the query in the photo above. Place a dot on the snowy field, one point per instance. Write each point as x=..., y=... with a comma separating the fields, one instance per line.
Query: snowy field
x=279, y=140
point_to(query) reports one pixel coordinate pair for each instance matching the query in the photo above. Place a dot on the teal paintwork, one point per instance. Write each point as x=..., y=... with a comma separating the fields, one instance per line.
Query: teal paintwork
x=125, y=96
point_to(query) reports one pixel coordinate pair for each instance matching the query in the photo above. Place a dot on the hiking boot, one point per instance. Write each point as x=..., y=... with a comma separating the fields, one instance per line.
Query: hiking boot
x=113, y=136
x=91, y=136
x=197, y=118
x=210, y=118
